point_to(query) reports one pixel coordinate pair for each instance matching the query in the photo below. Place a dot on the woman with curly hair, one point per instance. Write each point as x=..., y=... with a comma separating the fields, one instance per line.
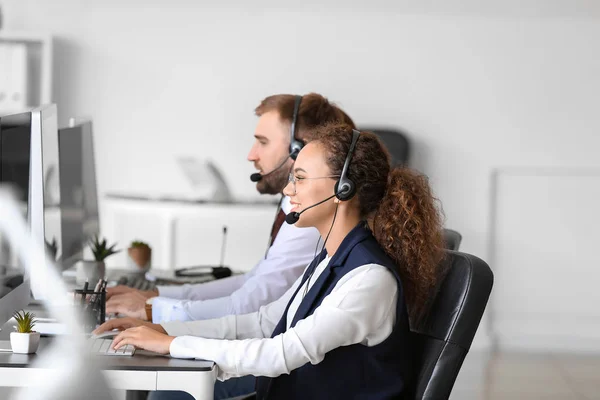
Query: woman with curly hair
x=342, y=330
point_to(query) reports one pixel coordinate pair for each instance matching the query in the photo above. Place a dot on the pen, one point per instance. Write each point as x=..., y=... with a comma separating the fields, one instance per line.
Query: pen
x=83, y=295
x=101, y=290
x=96, y=288
x=94, y=295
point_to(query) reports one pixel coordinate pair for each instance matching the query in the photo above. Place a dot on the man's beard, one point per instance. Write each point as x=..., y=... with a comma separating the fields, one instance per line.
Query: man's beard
x=274, y=183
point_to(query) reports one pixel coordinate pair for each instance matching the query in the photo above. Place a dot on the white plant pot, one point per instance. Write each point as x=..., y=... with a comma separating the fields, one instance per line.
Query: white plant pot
x=89, y=271
x=24, y=343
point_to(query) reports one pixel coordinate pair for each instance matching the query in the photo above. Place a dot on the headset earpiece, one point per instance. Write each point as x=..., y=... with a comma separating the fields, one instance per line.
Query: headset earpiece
x=294, y=151
x=345, y=189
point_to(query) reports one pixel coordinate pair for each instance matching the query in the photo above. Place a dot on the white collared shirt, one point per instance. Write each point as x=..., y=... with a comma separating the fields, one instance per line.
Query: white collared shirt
x=361, y=308
x=292, y=250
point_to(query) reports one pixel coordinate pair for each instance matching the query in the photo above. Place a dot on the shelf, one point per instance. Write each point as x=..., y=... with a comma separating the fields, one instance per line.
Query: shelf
x=39, y=66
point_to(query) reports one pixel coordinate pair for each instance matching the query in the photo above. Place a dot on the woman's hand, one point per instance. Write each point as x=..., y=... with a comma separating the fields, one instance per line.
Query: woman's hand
x=144, y=337
x=127, y=323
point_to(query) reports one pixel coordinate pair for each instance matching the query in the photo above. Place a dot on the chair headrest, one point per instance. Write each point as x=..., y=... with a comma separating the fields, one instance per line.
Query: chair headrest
x=460, y=300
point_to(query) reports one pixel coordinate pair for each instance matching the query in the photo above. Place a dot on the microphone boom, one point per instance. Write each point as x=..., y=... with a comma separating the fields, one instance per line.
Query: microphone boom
x=255, y=177
x=293, y=217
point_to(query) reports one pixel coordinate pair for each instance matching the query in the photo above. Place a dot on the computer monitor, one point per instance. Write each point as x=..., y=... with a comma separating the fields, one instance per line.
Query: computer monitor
x=44, y=214
x=78, y=193
x=40, y=163
x=15, y=143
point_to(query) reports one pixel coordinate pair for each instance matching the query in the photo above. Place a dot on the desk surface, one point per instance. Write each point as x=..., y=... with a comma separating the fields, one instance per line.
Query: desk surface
x=141, y=361
x=142, y=371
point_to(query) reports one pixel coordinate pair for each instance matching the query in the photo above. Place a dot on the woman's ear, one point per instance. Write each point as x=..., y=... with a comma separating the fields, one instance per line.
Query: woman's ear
x=336, y=200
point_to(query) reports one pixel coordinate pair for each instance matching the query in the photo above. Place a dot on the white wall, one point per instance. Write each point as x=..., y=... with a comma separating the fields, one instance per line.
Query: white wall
x=546, y=259
x=477, y=85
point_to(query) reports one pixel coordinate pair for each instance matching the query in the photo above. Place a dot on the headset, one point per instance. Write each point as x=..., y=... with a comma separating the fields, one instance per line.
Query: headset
x=345, y=188
x=295, y=144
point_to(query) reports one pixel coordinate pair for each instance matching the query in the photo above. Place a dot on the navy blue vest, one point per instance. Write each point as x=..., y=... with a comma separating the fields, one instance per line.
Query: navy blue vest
x=349, y=372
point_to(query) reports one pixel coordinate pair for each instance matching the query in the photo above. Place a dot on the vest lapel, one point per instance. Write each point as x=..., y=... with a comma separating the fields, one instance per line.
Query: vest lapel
x=356, y=235
x=282, y=325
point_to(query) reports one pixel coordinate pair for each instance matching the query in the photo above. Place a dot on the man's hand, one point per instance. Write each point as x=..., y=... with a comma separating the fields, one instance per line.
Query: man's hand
x=130, y=304
x=126, y=323
x=144, y=337
x=117, y=290
x=121, y=289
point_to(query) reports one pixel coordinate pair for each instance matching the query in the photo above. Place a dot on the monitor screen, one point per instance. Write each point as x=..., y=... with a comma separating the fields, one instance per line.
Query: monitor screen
x=15, y=143
x=79, y=200
x=15, y=146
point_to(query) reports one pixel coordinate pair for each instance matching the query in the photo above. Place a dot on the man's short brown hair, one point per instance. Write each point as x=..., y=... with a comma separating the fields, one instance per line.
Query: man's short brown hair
x=315, y=110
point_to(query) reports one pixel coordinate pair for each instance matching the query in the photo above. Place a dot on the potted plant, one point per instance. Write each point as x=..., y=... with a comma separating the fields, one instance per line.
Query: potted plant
x=25, y=340
x=140, y=255
x=92, y=270
x=52, y=249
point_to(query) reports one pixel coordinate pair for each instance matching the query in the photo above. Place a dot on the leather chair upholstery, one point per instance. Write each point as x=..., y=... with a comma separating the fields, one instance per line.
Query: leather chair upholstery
x=444, y=335
x=452, y=239
x=396, y=142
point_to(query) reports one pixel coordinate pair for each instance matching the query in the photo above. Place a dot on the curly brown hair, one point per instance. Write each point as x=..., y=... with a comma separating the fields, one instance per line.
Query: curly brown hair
x=399, y=205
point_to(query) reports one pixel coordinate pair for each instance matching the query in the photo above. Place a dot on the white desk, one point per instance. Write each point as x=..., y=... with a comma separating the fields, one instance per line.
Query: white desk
x=184, y=233
x=143, y=371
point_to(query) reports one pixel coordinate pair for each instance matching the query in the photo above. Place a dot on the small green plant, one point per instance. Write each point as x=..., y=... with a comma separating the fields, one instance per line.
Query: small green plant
x=138, y=243
x=101, y=249
x=25, y=321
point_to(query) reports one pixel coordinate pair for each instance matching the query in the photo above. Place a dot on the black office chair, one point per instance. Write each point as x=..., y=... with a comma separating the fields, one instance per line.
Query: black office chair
x=396, y=142
x=444, y=335
x=452, y=239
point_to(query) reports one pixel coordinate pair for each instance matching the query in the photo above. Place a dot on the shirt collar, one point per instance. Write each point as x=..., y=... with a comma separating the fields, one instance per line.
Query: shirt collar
x=286, y=204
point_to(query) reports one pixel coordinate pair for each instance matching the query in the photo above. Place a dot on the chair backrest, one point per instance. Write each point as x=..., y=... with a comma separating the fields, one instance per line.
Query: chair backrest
x=452, y=239
x=396, y=143
x=445, y=334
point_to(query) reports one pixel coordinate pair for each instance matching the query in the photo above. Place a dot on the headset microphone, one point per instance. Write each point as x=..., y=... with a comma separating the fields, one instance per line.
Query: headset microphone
x=293, y=217
x=255, y=177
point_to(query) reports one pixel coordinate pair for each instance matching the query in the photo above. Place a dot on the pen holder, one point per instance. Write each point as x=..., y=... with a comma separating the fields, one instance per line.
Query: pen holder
x=93, y=307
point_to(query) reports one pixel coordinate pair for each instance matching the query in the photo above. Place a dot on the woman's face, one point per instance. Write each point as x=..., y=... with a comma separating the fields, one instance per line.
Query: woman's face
x=313, y=183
